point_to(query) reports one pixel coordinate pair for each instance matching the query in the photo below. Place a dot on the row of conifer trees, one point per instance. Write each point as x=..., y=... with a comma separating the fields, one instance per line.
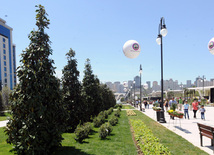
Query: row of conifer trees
x=41, y=112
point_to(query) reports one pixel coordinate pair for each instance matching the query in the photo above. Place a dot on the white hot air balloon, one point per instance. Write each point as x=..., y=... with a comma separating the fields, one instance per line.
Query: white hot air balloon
x=131, y=49
x=211, y=46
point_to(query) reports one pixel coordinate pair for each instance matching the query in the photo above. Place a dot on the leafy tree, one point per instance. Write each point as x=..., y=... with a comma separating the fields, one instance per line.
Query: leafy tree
x=72, y=90
x=37, y=114
x=5, y=97
x=97, y=97
x=170, y=94
x=90, y=91
x=1, y=105
x=108, y=98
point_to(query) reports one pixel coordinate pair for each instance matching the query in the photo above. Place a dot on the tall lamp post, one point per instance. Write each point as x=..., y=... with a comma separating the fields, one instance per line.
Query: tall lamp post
x=140, y=88
x=131, y=95
x=162, y=32
x=134, y=93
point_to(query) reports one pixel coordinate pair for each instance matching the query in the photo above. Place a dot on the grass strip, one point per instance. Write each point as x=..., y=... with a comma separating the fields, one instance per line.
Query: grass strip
x=5, y=117
x=4, y=147
x=127, y=107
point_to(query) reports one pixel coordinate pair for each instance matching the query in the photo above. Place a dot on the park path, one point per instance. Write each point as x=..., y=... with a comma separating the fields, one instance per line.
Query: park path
x=3, y=123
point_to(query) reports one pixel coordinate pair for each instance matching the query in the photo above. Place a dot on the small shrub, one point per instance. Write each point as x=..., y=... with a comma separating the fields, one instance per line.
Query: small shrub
x=82, y=131
x=99, y=120
x=87, y=127
x=105, y=130
x=105, y=114
x=113, y=121
x=110, y=110
x=109, y=128
x=117, y=113
x=119, y=109
x=118, y=105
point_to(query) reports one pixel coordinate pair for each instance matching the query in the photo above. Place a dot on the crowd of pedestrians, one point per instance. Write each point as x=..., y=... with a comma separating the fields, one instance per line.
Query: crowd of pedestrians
x=179, y=104
x=182, y=104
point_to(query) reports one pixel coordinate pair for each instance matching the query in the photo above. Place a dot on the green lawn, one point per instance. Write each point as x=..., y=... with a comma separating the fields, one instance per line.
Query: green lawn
x=4, y=147
x=127, y=107
x=118, y=143
x=3, y=118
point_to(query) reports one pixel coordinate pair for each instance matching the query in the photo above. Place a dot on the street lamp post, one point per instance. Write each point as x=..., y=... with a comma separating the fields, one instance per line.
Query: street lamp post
x=131, y=95
x=134, y=93
x=203, y=85
x=162, y=32
x=140, y=88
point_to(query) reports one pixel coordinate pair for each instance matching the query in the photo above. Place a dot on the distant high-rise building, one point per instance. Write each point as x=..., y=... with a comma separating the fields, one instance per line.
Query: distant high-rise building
x=212, y=82
x=149, y=84
x=109, y=85
x=130, y=83
x=116, y=86
x=137, y=81
x=7, y=56
x=189, y=83
x=155, y=86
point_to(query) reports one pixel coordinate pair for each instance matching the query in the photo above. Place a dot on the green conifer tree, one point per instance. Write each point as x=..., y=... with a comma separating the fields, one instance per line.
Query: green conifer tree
x=89, y=91
x=37, y=113
x=72, y=91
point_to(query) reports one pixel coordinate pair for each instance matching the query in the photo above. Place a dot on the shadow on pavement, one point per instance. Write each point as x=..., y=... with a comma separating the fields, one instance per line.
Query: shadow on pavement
x=184, y=130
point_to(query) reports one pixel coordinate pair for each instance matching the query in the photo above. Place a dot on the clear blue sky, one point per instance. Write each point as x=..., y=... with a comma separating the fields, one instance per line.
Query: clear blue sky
x=97, y=29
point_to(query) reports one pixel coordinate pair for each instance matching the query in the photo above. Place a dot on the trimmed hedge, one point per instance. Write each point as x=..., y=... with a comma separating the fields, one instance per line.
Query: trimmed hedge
x=113, y=121
x=105, y=130
x=148, y=143
x=82, y=131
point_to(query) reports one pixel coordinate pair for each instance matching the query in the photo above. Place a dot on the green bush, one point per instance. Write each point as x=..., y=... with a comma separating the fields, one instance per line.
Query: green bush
x=80, y=134
x=98, y=121
x=87, y=127
x=105, y=114
x=109, y=111
x=82, y=131
x=117, y=113
x=119, y=109
x=105, y=130
x=113, y=121
x=118, y=105
x=148, y=143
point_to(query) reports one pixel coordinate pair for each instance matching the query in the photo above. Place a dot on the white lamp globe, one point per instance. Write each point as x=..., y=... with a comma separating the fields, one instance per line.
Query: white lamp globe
x=145, y=86
x=164, y=32
x=131, y=49
x=211, y=46
x=158, y=40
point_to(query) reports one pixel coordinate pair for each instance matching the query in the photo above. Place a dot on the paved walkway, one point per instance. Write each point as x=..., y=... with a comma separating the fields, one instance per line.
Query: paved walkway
x=188, y=129
x=3, y=123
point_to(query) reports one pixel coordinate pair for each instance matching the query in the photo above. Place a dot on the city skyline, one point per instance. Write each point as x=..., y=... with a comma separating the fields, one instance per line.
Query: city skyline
x=168, y=84
x=94, y=32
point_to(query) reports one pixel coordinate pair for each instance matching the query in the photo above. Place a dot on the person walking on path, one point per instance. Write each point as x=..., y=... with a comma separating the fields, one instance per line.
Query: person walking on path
x=186, y=109
x=166, y=104
x=195, y=107
x=180, y=101
x=173, y=104
x=202, y=110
